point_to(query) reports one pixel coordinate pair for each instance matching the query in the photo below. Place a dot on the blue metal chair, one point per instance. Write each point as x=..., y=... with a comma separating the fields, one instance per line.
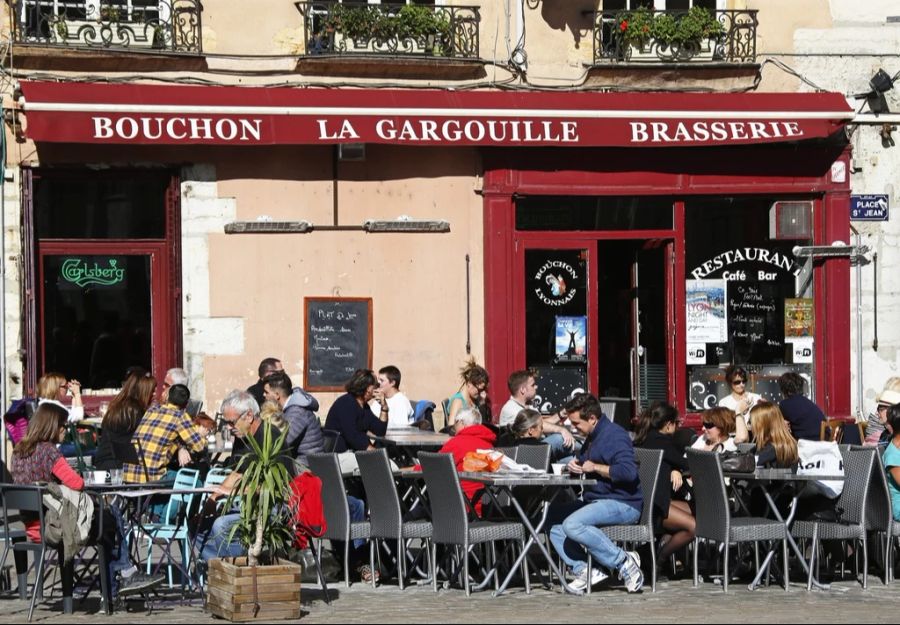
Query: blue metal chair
x=174, y=527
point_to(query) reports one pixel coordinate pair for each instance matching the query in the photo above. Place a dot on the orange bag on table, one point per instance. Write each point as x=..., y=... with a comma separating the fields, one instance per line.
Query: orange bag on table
x=481, y=462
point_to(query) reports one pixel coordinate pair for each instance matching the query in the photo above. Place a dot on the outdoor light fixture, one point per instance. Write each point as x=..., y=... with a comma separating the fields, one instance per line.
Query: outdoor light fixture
x=405, y=224
x=267, y=227
x=881, y=82
x=837, y=249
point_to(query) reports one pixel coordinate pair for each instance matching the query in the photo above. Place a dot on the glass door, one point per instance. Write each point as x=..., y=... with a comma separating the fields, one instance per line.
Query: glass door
x=556, y=333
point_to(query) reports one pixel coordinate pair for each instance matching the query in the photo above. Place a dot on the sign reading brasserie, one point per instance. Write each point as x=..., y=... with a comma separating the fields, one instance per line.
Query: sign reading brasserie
x=79, y=271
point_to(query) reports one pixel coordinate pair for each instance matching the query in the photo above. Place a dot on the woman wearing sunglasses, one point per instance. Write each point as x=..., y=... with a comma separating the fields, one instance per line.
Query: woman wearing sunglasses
x=718, y=427
x=740, y=399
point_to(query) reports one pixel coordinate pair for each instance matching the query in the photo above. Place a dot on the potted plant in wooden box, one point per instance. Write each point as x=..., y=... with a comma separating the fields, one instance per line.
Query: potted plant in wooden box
x=264, y=585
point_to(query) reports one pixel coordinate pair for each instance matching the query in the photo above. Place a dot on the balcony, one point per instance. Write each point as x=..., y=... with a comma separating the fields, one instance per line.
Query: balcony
x=390, y=29
x=663, y=37
x=152, y=25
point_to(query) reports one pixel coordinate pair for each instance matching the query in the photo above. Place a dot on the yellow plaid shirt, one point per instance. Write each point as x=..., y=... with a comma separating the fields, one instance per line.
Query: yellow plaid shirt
x=156, y=438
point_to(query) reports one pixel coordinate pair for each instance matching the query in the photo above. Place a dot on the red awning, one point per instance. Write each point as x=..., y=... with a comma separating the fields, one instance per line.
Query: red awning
x=152, y=114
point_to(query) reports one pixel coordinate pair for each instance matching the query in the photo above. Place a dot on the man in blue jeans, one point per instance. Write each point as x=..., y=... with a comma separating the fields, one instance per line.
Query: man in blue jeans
x=607, y=455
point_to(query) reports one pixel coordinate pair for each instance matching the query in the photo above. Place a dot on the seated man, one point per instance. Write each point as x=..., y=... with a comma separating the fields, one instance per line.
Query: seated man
x=162, y=430
x=298, y=407
x=607, y=456
x=267, y=367
x=388, y=395
x=240, y=412
x=523, y=389
x=804, y=415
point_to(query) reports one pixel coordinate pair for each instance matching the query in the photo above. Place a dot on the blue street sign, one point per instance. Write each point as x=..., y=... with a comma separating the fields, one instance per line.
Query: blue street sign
x=869, y=207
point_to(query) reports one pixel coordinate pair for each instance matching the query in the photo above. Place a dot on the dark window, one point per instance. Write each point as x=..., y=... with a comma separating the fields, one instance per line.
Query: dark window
x=101, y=207
x=593, y=213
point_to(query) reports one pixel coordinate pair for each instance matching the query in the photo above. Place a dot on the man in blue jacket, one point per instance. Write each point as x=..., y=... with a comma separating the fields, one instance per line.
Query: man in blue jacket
x=607, y=455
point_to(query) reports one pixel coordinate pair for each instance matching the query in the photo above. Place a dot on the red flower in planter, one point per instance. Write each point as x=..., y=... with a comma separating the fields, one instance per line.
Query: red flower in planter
x=623, y=25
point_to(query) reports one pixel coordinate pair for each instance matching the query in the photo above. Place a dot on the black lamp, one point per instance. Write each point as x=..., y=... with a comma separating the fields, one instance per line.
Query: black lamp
x=881, y=82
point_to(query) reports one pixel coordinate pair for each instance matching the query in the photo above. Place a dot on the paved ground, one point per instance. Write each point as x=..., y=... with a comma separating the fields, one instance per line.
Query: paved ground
x=673, y=601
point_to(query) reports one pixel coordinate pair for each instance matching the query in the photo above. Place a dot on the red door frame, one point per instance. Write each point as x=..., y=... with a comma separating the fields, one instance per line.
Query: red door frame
x=794, y=169
x=165, y=274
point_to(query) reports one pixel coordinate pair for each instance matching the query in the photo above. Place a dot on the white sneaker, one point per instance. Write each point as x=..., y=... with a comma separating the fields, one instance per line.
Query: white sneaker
x=581, y=582
x=636, y=556
x=630, y=572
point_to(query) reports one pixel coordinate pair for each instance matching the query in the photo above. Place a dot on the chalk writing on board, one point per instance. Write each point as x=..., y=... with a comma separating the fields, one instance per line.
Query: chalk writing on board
x=338, y=340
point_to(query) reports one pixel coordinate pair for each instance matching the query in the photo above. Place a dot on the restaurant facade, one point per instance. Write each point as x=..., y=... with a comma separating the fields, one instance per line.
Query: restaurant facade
x=629, y=244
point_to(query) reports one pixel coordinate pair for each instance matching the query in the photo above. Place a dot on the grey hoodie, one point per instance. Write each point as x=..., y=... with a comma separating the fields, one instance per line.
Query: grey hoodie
x=304, y=430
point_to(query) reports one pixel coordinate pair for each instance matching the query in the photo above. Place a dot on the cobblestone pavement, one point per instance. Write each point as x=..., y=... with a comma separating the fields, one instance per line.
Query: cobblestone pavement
x=673, y=601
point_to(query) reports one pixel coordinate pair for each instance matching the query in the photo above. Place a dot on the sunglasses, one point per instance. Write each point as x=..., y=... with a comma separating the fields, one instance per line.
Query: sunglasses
x=738, y=382
x=708, y=425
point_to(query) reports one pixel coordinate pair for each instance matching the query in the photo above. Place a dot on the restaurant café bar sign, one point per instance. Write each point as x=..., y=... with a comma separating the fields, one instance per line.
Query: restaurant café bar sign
x=154, y=114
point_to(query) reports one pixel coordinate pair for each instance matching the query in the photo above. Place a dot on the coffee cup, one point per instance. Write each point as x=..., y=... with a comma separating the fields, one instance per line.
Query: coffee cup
x=559, y=468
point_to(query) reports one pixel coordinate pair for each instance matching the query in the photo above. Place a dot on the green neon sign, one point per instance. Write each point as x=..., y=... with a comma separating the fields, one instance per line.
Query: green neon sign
x=80, y=272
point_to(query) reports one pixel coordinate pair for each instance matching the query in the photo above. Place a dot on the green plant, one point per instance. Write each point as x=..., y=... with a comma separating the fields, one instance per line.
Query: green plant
x=265, y=528
x=635, y=27
x=638, y=27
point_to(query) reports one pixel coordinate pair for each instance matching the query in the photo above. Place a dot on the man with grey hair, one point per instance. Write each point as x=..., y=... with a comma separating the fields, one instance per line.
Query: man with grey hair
x=241, y=415
x=174, y=376
x=469, y=435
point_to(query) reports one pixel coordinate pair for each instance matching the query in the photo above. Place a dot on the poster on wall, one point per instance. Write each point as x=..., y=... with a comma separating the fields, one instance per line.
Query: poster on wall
x=571, y=339
x=799, y=318
x=707, y=318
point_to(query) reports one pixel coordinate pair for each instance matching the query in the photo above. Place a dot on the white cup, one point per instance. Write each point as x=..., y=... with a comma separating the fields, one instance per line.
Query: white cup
x=100, y=477
x=558, y=467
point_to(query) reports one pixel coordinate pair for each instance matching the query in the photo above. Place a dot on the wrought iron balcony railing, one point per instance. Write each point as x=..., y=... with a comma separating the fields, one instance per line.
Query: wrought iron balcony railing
x=163, y=25
x=646, y=36
x=390, y=29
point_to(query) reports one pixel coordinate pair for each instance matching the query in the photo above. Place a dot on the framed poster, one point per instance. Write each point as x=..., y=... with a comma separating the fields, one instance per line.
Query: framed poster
x=571, y=339
x=707, y=314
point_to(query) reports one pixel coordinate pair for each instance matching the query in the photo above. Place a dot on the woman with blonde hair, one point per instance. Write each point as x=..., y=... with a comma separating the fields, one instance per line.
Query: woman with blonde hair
x=271, y=411
x=54, y=387
x=775, y=446
x=471, y=394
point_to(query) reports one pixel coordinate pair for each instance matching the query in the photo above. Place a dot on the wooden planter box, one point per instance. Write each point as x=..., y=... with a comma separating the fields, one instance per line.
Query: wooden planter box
x=230, y=592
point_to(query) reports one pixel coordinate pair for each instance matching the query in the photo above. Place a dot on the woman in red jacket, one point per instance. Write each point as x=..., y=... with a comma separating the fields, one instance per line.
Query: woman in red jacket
x=469, y=435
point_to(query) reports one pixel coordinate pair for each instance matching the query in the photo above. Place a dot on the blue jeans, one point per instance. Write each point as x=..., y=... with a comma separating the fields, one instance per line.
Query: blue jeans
x=214, y=544
x=357, y=513
x=579, y=532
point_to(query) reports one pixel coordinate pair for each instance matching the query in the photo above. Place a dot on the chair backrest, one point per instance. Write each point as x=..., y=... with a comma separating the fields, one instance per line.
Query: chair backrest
x=24, y=498
x=879, y=508
x=185, y=478
x=649, y=463
x=448, y=506
x=509, y=452
x=334, y=499
x=385, y=514
x=330, y=439
x=535, y=456
x=713, y=512
x=858, y=465
x=445, y=406
x=216, y=476
x=831, y=430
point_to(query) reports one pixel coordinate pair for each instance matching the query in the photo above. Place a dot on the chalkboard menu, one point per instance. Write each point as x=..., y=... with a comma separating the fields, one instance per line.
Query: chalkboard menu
x=756, y=321
x=337, y=340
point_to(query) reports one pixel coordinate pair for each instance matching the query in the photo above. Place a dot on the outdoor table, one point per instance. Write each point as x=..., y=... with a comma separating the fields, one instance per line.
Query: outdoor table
x=505, y=482
x=405, y=443
x=763, y=477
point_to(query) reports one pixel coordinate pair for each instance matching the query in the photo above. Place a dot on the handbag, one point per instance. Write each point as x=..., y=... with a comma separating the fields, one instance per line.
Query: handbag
x=738, y=461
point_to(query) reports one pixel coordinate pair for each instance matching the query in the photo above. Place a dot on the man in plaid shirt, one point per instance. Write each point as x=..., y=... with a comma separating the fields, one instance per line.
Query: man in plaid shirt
x=157, y=437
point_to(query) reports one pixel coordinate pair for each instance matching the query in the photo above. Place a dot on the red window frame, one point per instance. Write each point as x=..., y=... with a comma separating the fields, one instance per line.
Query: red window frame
x=165, y=270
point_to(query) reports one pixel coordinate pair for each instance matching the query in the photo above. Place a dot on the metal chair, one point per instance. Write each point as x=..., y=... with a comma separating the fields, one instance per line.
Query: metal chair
x=714, y=522
x=509, y=452
x=330, y=439
x=858, y=465
x=649, y=463
x=831, y=430
x=385, y=512
x=29, y=499
x=337, y=512
x=880, y=515
x=173, y=527
x=451, y=519
x=535, y=456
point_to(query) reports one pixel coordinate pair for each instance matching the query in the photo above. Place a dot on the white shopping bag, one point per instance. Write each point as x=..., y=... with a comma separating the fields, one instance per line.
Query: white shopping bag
x=822, y=458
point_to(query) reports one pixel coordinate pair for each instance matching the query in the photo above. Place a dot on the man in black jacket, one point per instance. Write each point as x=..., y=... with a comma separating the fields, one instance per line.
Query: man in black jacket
x=266, y=367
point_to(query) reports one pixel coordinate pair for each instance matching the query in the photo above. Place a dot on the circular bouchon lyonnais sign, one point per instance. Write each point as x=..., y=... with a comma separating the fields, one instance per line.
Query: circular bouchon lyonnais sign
x=555, y=283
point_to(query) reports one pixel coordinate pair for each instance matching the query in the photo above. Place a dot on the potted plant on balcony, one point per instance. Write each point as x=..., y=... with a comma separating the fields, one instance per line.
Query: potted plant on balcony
x=244, y=588
x=429, y=28
x=669, y=36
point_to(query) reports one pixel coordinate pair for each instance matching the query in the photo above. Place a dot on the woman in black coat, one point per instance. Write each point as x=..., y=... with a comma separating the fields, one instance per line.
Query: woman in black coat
x=655, y=429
